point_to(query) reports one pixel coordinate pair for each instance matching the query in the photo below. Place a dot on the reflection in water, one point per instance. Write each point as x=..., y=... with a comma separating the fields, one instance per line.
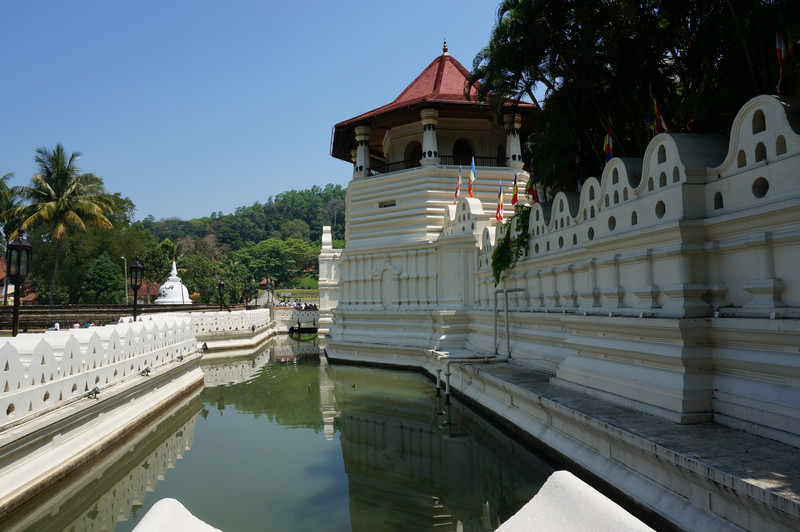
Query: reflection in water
x=111, y=489
x=409, y=470
x=286, y=442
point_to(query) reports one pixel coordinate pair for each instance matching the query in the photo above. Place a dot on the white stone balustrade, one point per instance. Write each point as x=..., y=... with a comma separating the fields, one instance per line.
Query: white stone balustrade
x=209, y=323
x=41, y=371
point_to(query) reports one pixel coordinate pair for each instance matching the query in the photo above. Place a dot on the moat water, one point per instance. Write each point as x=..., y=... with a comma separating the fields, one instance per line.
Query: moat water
x=283, y=441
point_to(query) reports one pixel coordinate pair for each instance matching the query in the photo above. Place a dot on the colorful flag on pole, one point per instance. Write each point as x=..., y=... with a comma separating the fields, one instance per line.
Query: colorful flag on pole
x=499, y=214
x=608, y=144
x=780, y=48
x=578, y=160
x=515, y=193
x=531, y=191
x=472, y=177
x=659, y=124
x=458, y=186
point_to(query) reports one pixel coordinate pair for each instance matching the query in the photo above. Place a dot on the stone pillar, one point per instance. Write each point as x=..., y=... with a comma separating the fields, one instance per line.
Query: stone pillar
x=766, y=290
x=362, y=152
x=684, y=299
x=648, y=293
x=590, y=298
x=614, y=293
x=329, y=280
x=430, y=143
x=513, y=147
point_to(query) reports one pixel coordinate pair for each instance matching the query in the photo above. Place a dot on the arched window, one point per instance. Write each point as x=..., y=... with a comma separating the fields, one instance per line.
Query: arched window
x=462, y=152
x=759, y=122
x=780, y=145
x=412, y=154
x=761, y=152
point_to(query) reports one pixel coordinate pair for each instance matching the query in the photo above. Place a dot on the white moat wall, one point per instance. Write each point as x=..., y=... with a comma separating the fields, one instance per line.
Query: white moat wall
x=669, y=285
x=51, y=423
x=39, y=372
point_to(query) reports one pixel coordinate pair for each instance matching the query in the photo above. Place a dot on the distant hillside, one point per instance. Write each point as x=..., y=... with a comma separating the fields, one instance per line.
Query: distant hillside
x=293, y=214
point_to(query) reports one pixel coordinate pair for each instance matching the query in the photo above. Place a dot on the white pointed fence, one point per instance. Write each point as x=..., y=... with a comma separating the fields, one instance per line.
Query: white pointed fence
x=39, y=372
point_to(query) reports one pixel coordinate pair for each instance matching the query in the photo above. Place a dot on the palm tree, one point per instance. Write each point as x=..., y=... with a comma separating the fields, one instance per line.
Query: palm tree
x=63, y=199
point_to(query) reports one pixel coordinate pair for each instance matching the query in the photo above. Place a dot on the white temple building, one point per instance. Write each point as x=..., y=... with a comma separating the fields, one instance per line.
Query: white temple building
x=173, y=292
x=666, y=290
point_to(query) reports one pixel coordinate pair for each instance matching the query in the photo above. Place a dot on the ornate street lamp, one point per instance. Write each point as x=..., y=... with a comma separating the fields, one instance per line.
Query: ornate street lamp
x=18, y=258
x=125, y=273
x=221, y=290
x=137, y=269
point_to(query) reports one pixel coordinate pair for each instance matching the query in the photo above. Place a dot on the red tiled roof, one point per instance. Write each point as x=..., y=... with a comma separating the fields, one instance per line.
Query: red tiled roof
x=442, y=85
x=443, y=81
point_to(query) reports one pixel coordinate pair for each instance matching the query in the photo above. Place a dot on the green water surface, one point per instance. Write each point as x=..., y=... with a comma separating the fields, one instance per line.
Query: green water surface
x=282, y=441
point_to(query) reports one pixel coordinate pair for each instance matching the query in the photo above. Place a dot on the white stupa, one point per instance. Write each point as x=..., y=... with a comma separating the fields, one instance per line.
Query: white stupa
x=173, y=292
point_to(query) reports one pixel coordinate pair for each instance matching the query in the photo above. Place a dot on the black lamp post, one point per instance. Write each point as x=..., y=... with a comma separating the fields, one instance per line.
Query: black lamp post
x=221, y=290
x=246, y=297
x=137, y=269
x=18, y=258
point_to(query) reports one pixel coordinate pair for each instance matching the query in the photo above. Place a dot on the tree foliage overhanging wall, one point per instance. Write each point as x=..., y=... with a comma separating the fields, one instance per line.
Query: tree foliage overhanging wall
x=603, y=64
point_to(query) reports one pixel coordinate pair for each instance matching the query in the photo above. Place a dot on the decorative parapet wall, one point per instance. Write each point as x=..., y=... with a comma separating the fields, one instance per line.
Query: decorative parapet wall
x=39, y=372
x=701, y=225
x=215, y=323
x=637, y=289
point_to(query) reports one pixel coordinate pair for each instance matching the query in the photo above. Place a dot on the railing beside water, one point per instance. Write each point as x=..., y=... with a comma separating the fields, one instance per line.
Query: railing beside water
x=238, y=320
x=40, y=371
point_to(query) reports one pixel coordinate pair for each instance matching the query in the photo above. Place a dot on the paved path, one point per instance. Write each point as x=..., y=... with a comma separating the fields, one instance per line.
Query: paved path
x=755, y=460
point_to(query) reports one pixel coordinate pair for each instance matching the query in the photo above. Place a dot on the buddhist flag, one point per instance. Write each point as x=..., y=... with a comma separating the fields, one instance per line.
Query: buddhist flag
x=780, y=48
x=660, y=124
x=515, y=193
x=472, y=177
x=458, y=186
x=608, y=145
x=532, y=190
x=499, y=214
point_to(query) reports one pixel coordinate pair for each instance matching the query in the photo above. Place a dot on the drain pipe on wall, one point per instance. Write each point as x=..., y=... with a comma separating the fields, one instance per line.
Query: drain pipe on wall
x=474, y=358
x=505, y=292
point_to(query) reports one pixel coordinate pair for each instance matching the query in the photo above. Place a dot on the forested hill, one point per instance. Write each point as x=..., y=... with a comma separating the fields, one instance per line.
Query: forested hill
x=296, y=214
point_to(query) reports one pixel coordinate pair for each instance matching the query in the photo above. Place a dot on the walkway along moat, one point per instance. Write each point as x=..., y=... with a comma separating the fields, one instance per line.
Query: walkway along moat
x=279, y=440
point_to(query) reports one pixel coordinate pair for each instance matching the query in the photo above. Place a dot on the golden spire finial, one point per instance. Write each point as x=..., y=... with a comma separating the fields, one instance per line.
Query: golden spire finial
x=444, y=48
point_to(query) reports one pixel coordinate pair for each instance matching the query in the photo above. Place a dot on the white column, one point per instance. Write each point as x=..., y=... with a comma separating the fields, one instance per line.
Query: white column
x=430, y=144
x=513, y=147
x=362, y=152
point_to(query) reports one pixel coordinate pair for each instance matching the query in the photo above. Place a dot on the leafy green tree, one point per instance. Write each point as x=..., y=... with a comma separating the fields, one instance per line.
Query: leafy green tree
x=333, y=215
x=602, y=63
x=103, y=283
x=157, y=265
x=297, y=229
x=200, y=275
x=63, y=199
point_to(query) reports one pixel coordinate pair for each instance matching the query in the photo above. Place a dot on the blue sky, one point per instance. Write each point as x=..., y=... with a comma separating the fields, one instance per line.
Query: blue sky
x=193, y=107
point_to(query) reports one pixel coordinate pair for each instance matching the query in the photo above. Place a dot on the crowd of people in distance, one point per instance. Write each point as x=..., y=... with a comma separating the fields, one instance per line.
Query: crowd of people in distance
x=297, y=305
